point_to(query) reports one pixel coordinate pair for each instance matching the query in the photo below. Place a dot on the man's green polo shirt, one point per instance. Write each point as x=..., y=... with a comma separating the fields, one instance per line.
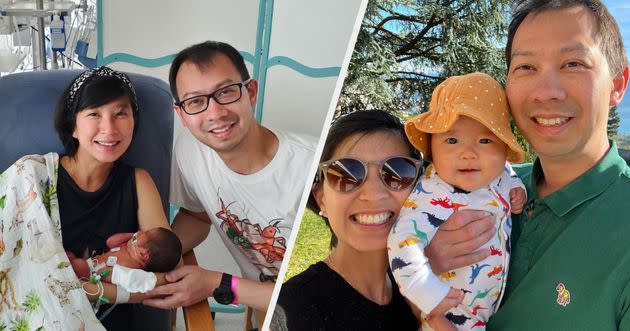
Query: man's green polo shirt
x=570, y=263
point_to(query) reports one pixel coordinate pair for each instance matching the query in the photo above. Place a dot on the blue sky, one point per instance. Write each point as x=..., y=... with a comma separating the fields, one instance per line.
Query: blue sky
x=621, y=11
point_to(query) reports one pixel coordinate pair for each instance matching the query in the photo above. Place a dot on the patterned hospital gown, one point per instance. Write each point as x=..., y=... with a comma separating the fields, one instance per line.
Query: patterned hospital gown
x=429, y=205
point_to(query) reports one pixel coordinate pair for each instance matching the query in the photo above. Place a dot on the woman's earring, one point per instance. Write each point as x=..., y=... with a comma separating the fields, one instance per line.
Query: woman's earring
x=321, y=213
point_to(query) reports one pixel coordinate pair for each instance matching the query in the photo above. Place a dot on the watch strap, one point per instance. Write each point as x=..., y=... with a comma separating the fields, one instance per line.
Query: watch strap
x=226, y=281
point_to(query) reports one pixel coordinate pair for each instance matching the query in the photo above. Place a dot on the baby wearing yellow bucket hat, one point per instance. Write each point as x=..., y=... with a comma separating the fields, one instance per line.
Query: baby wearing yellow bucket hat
x=467, y=137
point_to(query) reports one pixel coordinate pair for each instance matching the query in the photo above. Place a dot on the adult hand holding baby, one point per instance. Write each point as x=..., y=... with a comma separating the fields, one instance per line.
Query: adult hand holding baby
x=188, y=285
x=456, y=242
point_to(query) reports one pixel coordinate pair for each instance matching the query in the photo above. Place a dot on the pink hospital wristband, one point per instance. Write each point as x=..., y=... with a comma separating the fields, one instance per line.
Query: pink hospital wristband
x=234, y=288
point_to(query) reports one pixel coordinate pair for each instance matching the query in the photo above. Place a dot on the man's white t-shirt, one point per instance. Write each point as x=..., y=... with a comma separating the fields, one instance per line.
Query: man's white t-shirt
x=254, y=213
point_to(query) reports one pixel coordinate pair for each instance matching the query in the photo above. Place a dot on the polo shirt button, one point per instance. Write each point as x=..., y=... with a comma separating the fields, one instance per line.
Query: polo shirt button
x=529, y=208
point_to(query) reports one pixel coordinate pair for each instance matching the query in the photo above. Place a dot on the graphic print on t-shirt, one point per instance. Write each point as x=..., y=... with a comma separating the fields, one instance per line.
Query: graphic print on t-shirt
x=262, y=244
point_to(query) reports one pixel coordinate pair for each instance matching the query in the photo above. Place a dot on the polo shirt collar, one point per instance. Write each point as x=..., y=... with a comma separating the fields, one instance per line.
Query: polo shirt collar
x=590, y=184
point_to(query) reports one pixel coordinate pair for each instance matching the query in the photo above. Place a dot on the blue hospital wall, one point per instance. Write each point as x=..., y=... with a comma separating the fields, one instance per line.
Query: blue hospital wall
x=295, y=48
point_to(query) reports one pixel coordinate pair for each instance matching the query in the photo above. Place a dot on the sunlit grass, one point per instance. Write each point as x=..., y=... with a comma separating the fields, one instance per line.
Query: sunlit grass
x=311, y=245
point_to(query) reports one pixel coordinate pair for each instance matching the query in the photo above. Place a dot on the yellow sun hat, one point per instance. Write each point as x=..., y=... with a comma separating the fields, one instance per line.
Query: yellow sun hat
x=475, y=95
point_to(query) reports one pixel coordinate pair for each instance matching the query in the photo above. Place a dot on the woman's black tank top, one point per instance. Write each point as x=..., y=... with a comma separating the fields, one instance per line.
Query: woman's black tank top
x=89, y=218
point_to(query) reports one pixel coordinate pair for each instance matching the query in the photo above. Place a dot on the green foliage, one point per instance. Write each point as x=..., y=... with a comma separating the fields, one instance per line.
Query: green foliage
x=529, y=152
x=623, y=141
x=32, y=303
x=3, y=326
x=405, y=48
x=20, y=324
x=613, y=122
x=49, y=190
x=311, y=244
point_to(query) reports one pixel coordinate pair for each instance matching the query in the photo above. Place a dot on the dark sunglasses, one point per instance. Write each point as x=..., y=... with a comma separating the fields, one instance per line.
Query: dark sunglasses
x=348, y=174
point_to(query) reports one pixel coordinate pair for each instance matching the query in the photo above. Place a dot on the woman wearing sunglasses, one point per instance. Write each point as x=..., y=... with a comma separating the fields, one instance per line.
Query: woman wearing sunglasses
x=368, y=170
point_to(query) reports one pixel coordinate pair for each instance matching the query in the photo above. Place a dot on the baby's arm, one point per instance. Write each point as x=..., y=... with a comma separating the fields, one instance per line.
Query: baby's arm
x=110, y=292
x=79, y=265
x=406, y=242
x=82, y=269
x=116, y=240
x=518, y=193
x=133, y=280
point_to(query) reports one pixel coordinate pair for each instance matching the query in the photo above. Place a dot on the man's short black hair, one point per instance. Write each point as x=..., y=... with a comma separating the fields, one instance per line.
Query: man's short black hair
x=608, y=34
x=200, y=55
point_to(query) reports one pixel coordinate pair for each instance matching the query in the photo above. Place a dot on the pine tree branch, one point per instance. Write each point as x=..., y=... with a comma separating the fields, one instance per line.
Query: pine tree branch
x=398, y=79
x=396, y=18
x=413, y=42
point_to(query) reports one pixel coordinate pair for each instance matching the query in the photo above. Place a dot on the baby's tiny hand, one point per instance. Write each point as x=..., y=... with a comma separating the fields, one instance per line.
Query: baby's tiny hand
x=452, y=299
x=440, y=323
x=517, y=199
x=436, y=318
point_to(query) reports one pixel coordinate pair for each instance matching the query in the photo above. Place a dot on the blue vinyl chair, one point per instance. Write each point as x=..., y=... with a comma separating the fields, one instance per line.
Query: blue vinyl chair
x=27, y=126
x=27, y=108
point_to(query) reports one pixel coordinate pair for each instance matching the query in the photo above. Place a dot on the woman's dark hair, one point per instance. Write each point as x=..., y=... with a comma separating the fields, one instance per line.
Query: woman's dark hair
x=95, y=92
x=363, y=123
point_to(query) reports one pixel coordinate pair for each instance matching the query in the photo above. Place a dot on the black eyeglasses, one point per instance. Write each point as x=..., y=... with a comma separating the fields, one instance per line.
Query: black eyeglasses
x=223, y=96
x=348, y=174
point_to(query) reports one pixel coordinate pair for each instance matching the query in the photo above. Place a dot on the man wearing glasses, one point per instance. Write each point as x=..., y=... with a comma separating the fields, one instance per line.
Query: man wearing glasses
x=230, y=171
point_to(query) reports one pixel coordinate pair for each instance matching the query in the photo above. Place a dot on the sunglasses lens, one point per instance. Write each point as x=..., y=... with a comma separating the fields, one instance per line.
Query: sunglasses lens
x=345, y=175
x=398, y=173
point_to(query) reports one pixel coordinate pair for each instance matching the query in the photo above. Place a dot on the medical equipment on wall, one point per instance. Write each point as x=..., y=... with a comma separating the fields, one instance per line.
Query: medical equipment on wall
x=57, y=33
x=44, y=33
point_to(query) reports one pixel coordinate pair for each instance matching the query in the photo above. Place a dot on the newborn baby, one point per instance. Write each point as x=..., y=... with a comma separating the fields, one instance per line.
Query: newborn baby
x=155, y=250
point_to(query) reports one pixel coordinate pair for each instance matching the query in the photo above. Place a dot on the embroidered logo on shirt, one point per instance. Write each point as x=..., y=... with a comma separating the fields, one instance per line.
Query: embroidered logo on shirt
x=564, y=296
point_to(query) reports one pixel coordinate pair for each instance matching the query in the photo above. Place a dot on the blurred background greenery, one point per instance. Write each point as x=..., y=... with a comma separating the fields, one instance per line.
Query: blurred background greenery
x=311, y=245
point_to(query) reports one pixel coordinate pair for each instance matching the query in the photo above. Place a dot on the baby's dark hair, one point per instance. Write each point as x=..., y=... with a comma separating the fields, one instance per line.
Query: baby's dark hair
x=165, y=250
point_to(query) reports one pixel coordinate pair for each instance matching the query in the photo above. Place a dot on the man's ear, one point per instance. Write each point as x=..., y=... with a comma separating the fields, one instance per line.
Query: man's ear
x=180, y=113
x=620, y=83
x=252, y=90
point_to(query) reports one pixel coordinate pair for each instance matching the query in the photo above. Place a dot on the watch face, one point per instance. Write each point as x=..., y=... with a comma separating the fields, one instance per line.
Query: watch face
x=223, y=297
x=223, y=294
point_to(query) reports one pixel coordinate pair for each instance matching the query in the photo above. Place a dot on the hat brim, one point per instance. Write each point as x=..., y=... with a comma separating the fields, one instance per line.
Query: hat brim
x=420, y=128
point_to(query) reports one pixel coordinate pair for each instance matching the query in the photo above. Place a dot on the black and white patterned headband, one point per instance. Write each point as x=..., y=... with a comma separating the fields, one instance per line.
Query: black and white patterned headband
x=100, y=72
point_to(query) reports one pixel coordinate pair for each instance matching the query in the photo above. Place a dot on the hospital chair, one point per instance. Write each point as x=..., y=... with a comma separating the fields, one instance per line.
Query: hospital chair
x=27, y=103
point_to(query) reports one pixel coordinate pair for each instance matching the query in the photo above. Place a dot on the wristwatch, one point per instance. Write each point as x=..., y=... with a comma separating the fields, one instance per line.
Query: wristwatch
x=223, y=294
